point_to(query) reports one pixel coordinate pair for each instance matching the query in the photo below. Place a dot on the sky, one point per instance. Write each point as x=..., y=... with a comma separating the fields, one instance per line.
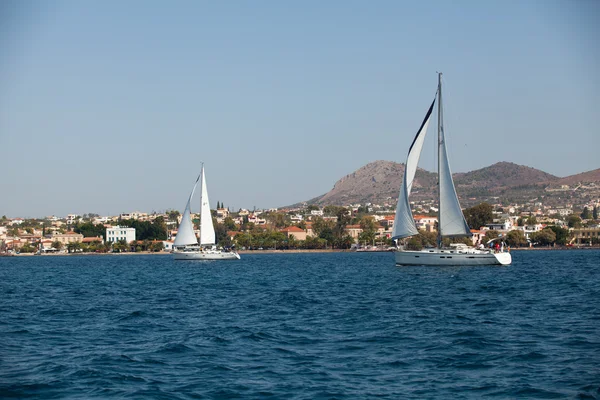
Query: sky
x=109, y=107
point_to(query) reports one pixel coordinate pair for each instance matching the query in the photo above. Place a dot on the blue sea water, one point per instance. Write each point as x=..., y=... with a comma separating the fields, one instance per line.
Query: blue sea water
x=299, y=326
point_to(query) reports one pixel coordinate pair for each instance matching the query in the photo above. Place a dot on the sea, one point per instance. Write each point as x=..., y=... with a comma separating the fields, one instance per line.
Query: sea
x=299, y=326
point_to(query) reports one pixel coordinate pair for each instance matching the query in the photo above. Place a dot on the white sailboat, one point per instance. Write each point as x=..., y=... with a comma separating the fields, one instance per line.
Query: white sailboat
x=186, y=245
x=451, y=221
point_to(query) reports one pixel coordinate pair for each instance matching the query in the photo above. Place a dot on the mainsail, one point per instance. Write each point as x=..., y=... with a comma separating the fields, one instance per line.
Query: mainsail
x=404, y=223
x=207, y=231
x=185, y=232
x=451, y=220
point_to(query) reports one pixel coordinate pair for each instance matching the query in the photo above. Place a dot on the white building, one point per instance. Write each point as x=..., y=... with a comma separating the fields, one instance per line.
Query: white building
x=117, y=233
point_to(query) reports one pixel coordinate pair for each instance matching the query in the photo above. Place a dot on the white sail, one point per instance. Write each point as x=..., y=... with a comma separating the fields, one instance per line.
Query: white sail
x=451, y=220
x=207, y=231
x=185, y=232
x=404, y=223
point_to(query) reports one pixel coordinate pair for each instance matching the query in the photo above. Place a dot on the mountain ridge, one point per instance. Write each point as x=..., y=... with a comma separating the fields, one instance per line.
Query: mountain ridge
x=379, y=182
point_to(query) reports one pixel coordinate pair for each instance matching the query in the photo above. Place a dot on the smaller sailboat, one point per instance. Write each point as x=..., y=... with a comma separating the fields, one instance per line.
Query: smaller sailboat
x=186, y=245
x=451, y=221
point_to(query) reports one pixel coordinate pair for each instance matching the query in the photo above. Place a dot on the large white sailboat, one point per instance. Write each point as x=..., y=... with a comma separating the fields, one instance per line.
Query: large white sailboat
x=451, y=221
x=186, y=245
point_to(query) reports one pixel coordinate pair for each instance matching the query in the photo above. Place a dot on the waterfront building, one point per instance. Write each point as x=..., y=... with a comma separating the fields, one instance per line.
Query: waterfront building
x=296, y=232
x=116, y=233
x=66, y=238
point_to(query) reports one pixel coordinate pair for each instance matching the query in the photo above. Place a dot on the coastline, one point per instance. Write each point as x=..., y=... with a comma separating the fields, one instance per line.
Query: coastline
x=289, y=251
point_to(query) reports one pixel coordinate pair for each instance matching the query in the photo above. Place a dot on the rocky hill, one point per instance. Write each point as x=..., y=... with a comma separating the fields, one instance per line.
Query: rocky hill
x=379, y=182
x=372, y=183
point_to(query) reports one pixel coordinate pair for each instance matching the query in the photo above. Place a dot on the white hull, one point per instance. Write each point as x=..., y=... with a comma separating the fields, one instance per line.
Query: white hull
x=444, y=257
x=205, y=255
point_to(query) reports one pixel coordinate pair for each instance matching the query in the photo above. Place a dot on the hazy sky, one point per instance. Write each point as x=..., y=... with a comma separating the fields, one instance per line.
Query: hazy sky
x=110, y=106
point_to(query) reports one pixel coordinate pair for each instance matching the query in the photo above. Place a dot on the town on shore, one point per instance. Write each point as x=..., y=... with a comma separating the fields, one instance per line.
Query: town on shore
x=311, y=227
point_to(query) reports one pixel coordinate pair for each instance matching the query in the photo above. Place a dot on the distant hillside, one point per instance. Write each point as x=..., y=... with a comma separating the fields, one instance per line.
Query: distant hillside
x=374, y=182
x=501, y=175
x=379, y=182
x=584, y=177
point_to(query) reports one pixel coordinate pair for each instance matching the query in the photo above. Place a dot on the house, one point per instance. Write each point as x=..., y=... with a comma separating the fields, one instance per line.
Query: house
x=66, y=238
x=296, y=218
x=72, y=219
x=425, y=223
x=116, y=233
x=354, y=231
x=137, y=215
x=255, y=220
x=528, y=229
x=586, y=235
x=478, y=236
x=222, y=213
x=500, y=226
x=296, y=232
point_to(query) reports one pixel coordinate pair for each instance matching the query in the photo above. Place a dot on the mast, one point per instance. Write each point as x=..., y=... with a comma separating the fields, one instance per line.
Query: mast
x=440, y=143
x=201, y=193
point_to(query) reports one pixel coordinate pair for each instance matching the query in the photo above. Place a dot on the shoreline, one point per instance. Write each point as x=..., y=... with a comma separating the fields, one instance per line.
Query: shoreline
x=287, y=251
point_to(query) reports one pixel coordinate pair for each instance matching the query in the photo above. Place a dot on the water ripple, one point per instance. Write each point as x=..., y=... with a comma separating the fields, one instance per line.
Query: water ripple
x=302, y=326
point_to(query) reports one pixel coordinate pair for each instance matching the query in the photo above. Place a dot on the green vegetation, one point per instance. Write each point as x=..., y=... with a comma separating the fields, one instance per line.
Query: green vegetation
x=544, y=237
x=479, y=215
x=146, y=230
x=586, y=214
x=573, y=221
x=561, y=234
x=88, y=229
x=516, y=239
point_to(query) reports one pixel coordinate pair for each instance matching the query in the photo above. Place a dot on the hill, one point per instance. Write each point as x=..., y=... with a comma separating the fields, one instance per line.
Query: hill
x=379, y=182
x=584, y=177
x=373, y=183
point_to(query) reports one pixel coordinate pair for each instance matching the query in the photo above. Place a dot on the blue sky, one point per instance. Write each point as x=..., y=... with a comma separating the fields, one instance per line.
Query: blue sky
x=110, y=107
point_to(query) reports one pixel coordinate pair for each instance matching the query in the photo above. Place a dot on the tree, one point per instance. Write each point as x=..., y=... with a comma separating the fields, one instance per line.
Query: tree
x=173, y=215
x=343, y=219
x=544, y=237
x=27, y=248
x=57, y=245
x=332, y=210
x=146, y=229
x=574, y=221
x=157, y=246
x=319, y=224
x=366, y=237
x=479, y=215
x=490, y=235
x=221, y=236
x=230, y=224
x=120, y=246
x=367, y=223
x=586, y=214
x=88, y=229
x=562, y=234
x=532, y=220
x=595, y=213
x=516, y=238
x=414, y=243
x=73, y=246
x=277, y=219
x=345, y=242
